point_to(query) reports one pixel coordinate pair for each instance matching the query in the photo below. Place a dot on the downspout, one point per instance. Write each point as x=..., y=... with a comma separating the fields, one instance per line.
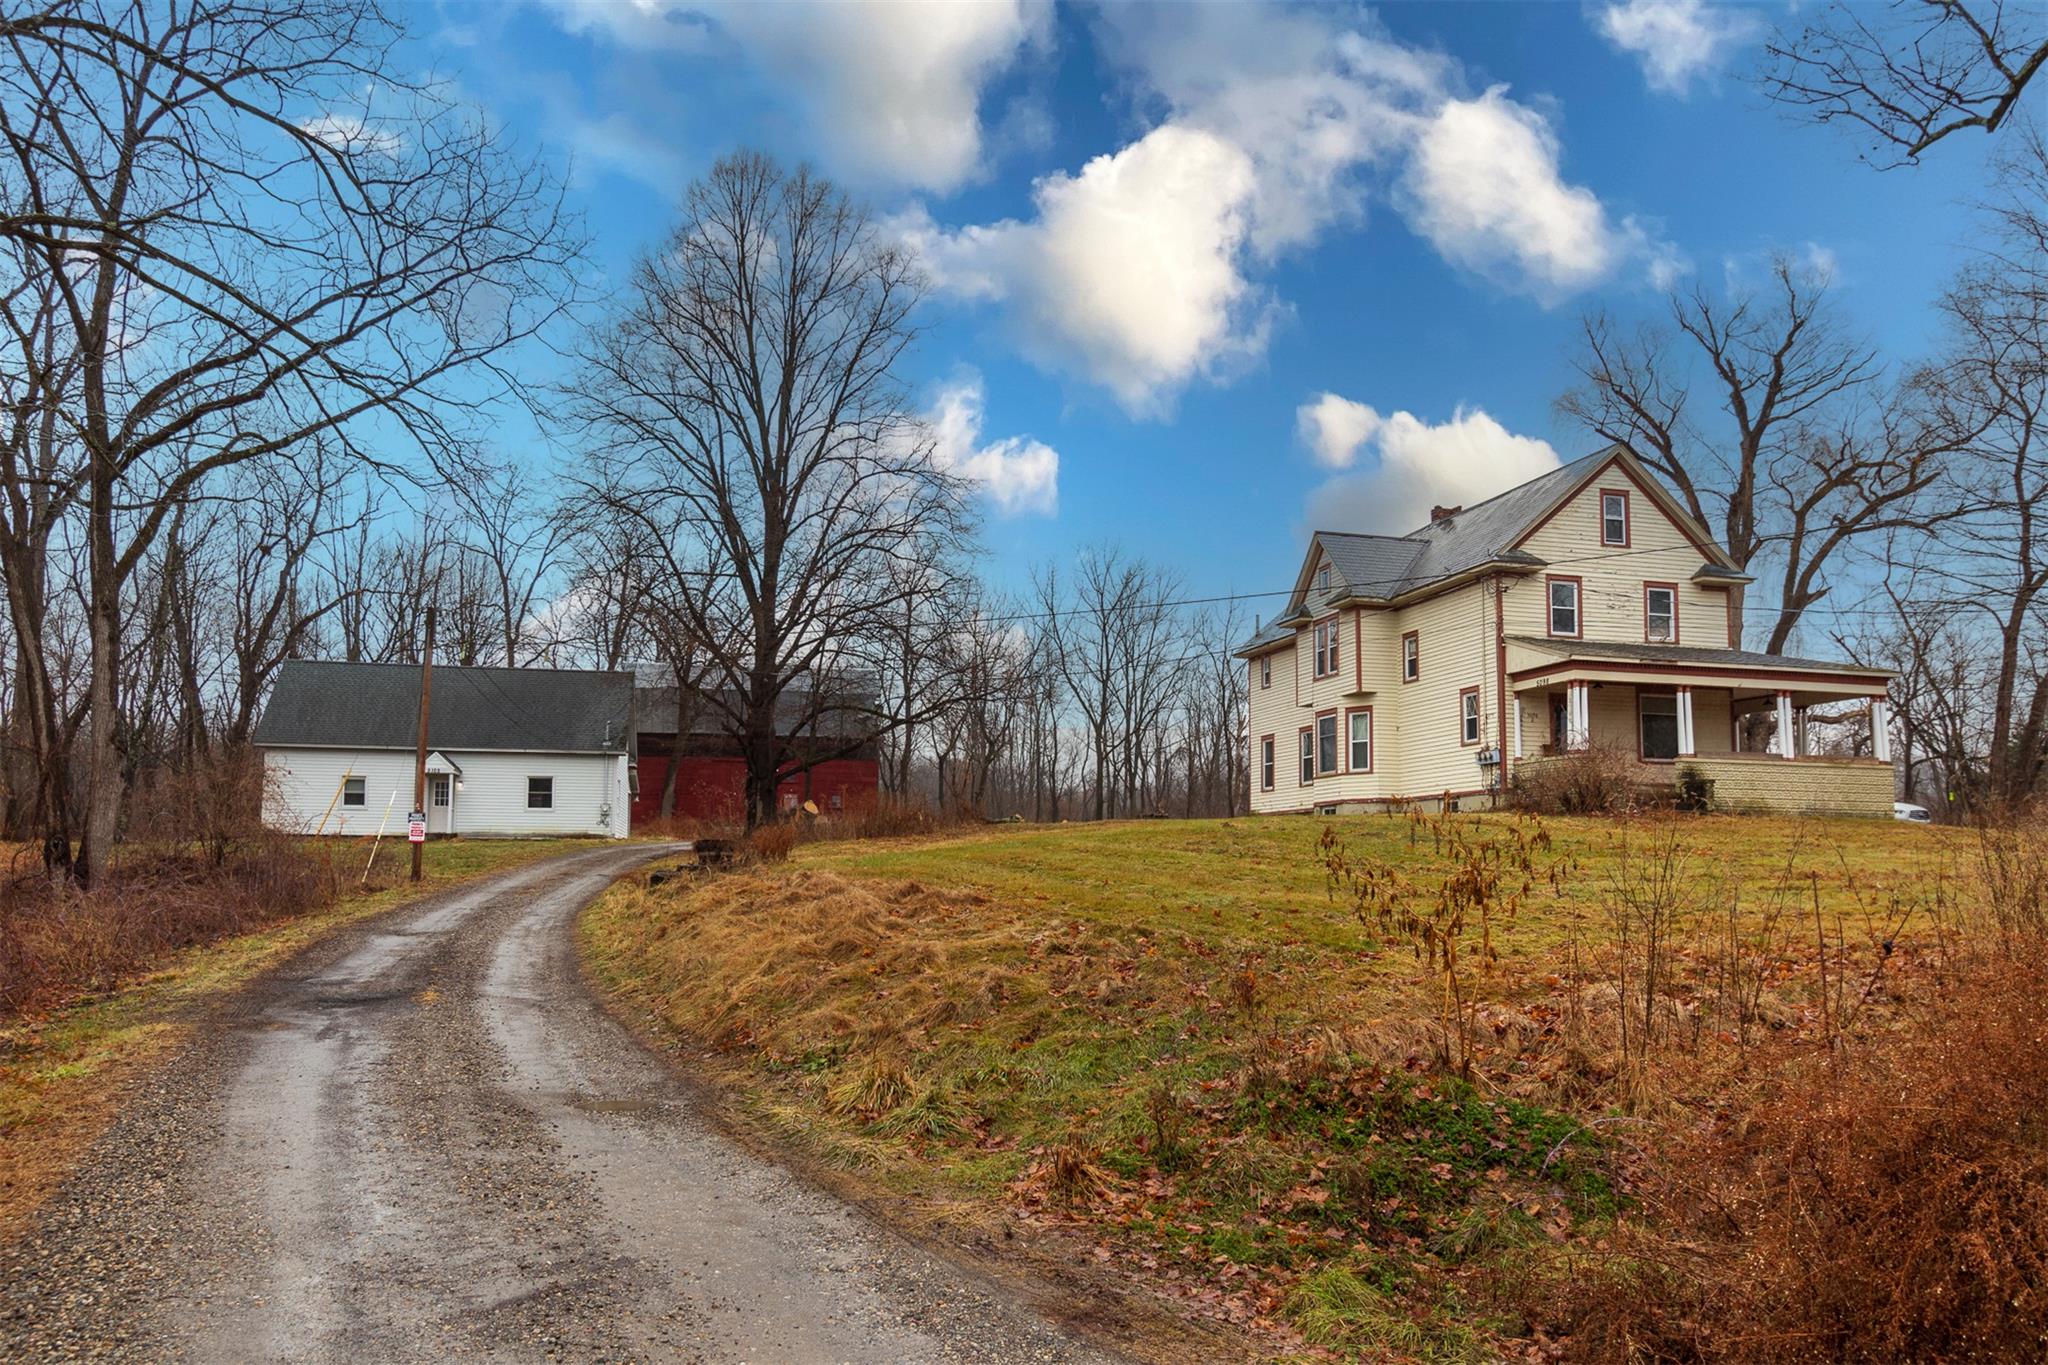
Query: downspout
x=1500, y=647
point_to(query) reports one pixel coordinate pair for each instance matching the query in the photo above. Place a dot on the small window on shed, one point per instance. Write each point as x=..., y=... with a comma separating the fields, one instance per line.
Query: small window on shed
x=352, y=793
x=540, y=793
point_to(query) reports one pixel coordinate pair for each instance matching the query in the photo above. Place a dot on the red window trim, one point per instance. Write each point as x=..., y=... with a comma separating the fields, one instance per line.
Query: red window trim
x=1344, y=738
x=1310, y=732
x=1416, y=636
x=1641, y=692
x=1627, y=518
x=1479, y=719
x=1337, y=771
x=1578, y=616
x=1673, y=588
x=1316, y=658
x=1268, y=782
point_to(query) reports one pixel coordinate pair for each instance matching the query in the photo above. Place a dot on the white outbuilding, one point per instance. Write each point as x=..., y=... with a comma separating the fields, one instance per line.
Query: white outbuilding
x=512, y=752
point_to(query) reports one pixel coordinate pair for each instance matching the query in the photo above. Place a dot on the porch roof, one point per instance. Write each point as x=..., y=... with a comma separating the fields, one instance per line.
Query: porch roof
x=1535, y=659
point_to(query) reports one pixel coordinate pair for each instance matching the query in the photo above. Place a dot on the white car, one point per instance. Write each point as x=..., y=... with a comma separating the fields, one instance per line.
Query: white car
x=1907, y=811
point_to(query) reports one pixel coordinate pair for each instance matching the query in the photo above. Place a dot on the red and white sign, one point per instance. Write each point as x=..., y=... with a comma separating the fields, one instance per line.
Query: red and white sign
x=416, y=827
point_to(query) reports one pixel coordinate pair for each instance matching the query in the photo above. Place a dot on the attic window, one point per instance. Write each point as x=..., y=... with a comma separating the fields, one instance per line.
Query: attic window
x=1323, y=578
x=1613, y=518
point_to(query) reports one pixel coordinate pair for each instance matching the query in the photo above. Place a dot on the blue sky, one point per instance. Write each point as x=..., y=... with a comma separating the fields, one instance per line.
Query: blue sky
x=1157, y=235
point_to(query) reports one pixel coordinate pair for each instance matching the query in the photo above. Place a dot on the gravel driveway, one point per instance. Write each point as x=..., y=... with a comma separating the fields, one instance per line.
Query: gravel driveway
x=423, y=1139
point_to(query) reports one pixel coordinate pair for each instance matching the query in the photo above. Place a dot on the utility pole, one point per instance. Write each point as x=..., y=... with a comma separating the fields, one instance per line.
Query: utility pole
x=419, y=766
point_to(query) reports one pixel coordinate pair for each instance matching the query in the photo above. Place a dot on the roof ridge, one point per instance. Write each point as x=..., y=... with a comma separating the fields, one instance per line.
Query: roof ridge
x=463, y=668
x=1546, y=474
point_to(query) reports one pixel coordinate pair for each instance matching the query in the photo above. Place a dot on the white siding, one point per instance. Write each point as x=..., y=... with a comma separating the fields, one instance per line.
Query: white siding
x=590, y=792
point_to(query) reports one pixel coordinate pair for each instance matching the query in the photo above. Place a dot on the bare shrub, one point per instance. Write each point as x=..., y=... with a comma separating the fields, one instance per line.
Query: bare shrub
x=211, y=805
x=1597, y=780
x=57, y=941
x=771, y=843
x=1893, y=1206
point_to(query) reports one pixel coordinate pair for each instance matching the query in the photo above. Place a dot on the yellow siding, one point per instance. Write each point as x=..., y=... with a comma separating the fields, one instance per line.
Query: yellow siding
x=1612, y=590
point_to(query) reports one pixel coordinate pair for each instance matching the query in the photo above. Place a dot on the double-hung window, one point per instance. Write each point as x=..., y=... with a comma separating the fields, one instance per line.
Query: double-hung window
x=1468, y=716
x=1308, y=757
x=1266, y=763
x=1326, y=744
x=1613, y=518
x=540, y=793
x=352, y=792
x=1411, y=657
x=1265, y=671
x=1327, y=636
x=1564, y=606
x=1660, y=613
x=1360, y=723
x=1323, y=578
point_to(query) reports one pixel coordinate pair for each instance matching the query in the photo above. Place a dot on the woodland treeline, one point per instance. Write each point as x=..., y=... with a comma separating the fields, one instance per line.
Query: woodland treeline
x=254, y=365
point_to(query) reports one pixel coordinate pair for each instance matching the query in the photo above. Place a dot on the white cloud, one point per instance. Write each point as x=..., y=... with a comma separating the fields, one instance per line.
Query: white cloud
x=1129, y=274
x=1016, y=474
x=1418, y=466
x=1270, y=129
x=1675, y=40
x=1333, y=427
x=891, y=89
x=1484, y=188
x=353, y=135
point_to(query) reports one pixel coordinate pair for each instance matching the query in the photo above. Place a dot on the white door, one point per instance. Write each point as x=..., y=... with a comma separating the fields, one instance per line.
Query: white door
x=440, y=803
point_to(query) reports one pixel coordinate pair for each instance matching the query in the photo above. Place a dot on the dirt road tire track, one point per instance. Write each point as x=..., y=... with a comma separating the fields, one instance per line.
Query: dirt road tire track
x=421, y=1139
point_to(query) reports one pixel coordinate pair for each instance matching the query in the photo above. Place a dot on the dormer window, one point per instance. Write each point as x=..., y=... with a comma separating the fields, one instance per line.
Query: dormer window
x=1613, y=517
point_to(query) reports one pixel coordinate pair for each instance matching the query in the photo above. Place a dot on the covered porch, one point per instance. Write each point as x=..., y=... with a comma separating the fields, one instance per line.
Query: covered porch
x=1738, y=719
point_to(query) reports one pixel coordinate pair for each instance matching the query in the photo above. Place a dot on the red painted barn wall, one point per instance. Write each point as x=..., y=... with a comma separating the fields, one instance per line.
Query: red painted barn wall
x=714, y=788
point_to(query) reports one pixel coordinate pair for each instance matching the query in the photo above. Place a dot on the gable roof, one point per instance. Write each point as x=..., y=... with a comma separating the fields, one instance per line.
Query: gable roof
x=1380, y=569
x=326, y=704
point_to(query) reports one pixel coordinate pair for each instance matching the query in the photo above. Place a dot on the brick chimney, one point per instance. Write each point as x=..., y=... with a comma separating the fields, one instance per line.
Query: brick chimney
x=1441, y=513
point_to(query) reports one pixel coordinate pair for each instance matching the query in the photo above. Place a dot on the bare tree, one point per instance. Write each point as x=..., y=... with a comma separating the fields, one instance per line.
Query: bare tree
x=746, y=408
x=257, y=231
x=1989, y=394
x=1913, y=72
x=1790, y=451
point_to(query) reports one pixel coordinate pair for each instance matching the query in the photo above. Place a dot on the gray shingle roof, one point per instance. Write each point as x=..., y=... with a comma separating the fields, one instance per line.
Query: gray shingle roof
x=1689, y=654
x=376, y=706
x=1378, y=568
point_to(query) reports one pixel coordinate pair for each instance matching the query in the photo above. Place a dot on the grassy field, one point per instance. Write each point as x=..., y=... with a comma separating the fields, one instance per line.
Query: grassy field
x=1171, y=1041
x=62, y=1071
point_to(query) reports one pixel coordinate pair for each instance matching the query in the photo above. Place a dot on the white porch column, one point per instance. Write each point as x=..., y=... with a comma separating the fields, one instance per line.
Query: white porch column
x=1578, y=715
x=1881, y=729
x=1686, y=748
x=1787, y=741
x=1515, y=723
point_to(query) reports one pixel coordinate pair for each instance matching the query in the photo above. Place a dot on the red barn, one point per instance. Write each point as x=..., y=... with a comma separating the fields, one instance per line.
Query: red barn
x=711, y=773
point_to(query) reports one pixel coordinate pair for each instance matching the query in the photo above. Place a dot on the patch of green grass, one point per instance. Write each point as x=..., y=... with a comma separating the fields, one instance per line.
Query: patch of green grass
x=1043, y=986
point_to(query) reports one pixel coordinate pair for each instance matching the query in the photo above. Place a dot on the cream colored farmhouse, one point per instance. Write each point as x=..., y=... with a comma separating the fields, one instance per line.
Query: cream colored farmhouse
x=1582, y=608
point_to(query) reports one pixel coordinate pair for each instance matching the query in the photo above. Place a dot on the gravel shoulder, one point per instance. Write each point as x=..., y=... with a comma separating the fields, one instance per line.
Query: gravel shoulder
x=423, y=1138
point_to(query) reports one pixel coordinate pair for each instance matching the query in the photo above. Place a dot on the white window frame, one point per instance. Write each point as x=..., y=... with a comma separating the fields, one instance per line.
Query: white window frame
x=1353, y=740
x=1268, y=763
x=355, y=791
x=1621, y=498
x=1328, y=656
x=1670, y=635
x=1468, y=716
x=1411, y=656
x=1265, y=671
x=548, y=795
x=1323, y=578
x=1551, y=607
x=1308, y=757
x=440, y=789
